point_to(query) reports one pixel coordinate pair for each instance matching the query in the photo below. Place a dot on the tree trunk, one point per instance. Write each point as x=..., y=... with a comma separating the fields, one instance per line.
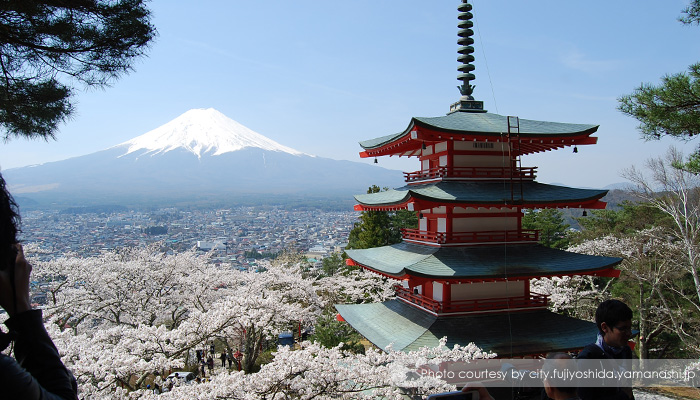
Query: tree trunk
x=253, y=339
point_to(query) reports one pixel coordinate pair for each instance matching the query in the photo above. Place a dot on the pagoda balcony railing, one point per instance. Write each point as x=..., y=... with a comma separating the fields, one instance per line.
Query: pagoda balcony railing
x=533, y=300
x=471, y=237
x=471, y=172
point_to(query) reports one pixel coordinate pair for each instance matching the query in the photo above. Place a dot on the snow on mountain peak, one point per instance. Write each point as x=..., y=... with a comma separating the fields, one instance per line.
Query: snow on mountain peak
x=201, y=131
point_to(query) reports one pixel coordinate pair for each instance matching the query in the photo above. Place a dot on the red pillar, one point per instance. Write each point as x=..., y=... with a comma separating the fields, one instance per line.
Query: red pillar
x=446, y=295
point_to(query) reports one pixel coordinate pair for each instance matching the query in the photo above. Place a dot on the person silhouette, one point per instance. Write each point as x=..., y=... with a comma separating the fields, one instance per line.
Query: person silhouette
x=36, y=372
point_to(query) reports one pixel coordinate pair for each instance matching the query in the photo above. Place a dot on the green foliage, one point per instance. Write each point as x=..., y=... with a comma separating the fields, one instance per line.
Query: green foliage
x=654, y=286
x=332, y=265
x=404, y=219
x=690, y=165
x=651, y=292
x=551, y=226
x=629, y=218
x=692, y=13
x=259, y=256
x=44, y=42
x=673, y=107
x=380, y=228
x=330, y=332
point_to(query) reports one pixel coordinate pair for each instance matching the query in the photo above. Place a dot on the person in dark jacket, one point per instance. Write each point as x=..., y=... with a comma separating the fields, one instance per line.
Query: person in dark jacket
x=36, y=372
x=614, y=321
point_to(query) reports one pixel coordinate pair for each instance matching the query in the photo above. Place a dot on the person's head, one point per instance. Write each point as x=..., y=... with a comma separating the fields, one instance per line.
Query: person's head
x=614, y=321
x=9, y=223
x=554, y=384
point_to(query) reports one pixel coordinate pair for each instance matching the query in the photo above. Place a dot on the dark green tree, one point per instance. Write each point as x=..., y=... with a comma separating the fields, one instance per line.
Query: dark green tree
x=673, y=107
x=692, y=13
x=332, y=265
x=156, y=230
x=402, y=219
x=46, y=46
x=551, y=226
x=380, y=228
x=329, y=332
x=628, y=219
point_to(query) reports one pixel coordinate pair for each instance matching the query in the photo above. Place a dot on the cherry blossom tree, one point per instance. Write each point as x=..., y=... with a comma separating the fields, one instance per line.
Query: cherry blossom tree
x=651, y=281
x=576, y=296
x=316, y=372
x=260, y=306
x=127, y=317
x=674, y=190
x=116, y=317
x=121, y=316
x=354, y=286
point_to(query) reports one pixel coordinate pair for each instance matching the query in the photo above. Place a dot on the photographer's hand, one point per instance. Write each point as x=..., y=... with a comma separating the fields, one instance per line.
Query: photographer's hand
x=22, y=269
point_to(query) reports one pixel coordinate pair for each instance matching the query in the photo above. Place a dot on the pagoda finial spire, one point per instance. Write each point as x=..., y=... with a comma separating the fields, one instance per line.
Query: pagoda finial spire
x=466, y=49
x=465, y=42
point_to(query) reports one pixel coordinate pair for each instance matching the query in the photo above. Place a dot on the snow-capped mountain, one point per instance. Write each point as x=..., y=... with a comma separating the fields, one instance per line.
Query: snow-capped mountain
x=202, y=131
x=200, y=156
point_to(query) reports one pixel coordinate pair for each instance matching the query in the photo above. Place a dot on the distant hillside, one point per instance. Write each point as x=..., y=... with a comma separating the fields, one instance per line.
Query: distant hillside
x=616, y=196
x=613, y=199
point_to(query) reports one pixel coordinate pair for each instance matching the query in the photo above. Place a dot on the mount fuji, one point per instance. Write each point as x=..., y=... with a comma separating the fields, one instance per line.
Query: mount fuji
x=202, y=156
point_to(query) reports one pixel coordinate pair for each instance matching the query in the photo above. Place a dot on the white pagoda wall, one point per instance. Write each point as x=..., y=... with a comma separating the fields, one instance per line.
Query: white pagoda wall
x=486, y=290
x=484, y=224
x=485, y=160
x=481, y=146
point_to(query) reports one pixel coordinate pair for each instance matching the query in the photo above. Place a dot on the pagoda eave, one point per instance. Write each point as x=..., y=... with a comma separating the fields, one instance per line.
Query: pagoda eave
x=476, y=263
x=407, y=328
x=423, y=204
x=534, y=136
x=411, y=147
x=418, y=278
x=494, y=193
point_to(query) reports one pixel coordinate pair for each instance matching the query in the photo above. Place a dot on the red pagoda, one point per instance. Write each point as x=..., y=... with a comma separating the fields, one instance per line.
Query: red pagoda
x=465, y=272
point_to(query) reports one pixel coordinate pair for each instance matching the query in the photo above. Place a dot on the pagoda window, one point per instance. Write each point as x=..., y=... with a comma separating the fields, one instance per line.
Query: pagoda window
x=437, y=291
x=442, y=225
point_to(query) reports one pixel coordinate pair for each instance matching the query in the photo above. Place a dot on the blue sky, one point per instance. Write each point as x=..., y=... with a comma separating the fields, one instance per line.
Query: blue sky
x=319, y=76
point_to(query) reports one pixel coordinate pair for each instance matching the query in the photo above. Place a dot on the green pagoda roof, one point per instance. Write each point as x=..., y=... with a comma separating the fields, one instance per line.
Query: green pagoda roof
x=484, y=124
x=495, y=193
x=508, y=334
x=478, y=262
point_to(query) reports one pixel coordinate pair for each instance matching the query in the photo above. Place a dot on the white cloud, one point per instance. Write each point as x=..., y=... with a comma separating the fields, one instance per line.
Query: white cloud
x=579, y=61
